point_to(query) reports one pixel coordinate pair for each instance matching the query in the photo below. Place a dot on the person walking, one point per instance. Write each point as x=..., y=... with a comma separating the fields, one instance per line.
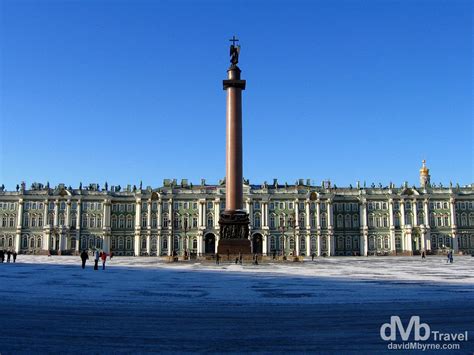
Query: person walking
x=423, y=254
x=96, y=260
x=2, y=256
x=255, y=259
x=451, y=258
x=240, y=258
x=274, y=255
x=9, y=254
x=217, y=258
x=14, y=256
x=104, y=259
x=84, y=258
x=312, y=256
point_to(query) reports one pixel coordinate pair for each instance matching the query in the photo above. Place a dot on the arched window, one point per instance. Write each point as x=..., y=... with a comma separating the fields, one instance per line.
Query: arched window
x=396, y=220
x=99, y=221
x=129, y=221
x=4, y=220
x=26, y=220
x=355, y=220
x=408, y=218
x=313, y=243
x=144, y=220
x=272, y=243
x=257, y=220
x=91, y=221
x=339, y=221
x=446, y=220
x=195, y=243
x=114, y=221
x=292, y=243
x=154, y=220
x=176, y=221
x=272, y=221
x=371, y=220
x=386, y=243
x=282, y=220
x=324, y=223
x=128, y=242
x=312, y=217
x=12, y=221
x=301, y=220
x=73, y=220
x=432, y=219
x=302, y=243
x=33, y=220
x=143, y=242
x=347, y=221
x=324, y=243
x=463, y=219
x=471, y=219
x=371, y=242
x=165, y=220
x=39, y=242
x=210, y=220
x=421, y=218
x=165, y=242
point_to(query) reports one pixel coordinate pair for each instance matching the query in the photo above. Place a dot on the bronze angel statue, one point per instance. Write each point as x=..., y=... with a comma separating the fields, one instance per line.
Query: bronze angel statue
x=234, y=54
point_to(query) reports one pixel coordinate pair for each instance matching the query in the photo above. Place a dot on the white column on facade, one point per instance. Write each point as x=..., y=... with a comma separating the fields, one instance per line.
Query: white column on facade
x=199, y=244
x=136, y=244
x=363, y=228
x=251, y=213
x=148, y=220
x=318, y=212
x=56, y=213
x=170, y=246
x=204, y=214
x=19, y=219
x=402, y=212
x=297, y=243
x=160, y=213
x=107, y=212
x=264, y=244
x=45, y=213
x=68, y=213
x=78, y=215
x=148, y=244
x=308, y=244
x=138, y=214
x=452, y=205
x=216, y=214
x=19, y=222
x=158, y=242
x=216, y=244
x=423, y=241
x=307, y=221
x=247, y=205
x=415, y=212
x=318, y=244
x=408, y=241
x=106, y=245
x=426, y=211
x=331, y=244
x=297, y=213
x=392, y=226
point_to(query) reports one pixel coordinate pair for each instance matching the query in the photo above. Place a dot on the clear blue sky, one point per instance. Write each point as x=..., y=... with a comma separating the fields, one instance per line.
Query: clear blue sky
x=123, y=91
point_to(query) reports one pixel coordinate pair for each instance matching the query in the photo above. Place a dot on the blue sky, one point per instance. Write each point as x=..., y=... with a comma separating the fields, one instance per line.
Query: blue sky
x=123, y=91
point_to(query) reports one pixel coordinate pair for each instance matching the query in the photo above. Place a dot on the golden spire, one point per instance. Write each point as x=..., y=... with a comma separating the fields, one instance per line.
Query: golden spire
x=424, y=170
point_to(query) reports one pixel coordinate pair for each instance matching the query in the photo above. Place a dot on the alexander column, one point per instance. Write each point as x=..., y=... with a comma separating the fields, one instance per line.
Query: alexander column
x=234, y=221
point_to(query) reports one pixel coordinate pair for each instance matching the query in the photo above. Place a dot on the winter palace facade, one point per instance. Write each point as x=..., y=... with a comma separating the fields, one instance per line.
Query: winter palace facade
x=297, y=219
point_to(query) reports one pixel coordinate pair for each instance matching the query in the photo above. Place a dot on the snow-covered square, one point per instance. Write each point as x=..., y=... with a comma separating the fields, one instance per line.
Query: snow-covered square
x=139, y=304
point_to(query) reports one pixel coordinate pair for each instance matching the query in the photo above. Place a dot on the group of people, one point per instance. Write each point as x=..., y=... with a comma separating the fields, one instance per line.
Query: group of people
x=9, y=255
x=98, y=255
x=450, y=257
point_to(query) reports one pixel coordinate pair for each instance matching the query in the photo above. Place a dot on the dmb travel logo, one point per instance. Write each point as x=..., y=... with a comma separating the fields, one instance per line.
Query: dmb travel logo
x=419, y=336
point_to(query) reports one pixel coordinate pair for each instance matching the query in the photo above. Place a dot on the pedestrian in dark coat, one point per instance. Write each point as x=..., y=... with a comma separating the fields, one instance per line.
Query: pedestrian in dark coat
x=218, y=257
x=423, y=254
x=9, y=254
x=84, y=258
x=312, y=256
x=274, y=255
x=255, y=258
x=2, y=256
x=240, y=258
x=14, y=256
x=104, y=258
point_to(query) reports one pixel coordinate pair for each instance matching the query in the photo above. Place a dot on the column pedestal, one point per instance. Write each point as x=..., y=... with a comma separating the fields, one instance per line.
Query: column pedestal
x=234, y=233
